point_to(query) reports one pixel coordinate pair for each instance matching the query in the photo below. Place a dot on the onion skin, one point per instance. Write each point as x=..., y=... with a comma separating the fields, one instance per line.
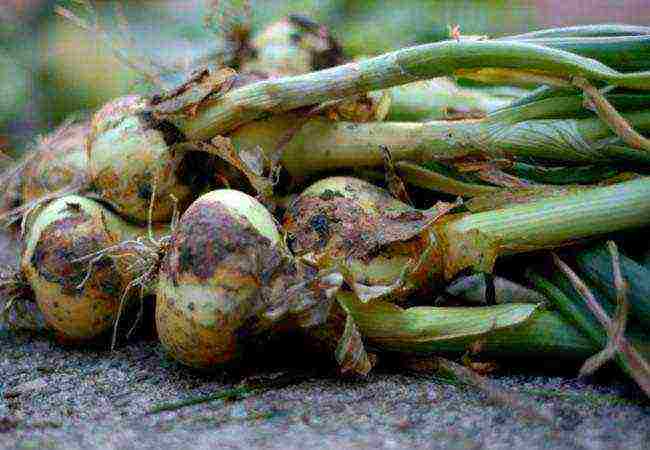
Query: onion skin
x=67, y=229
x=227, y=278
x=352, y=221
x=129, y=154
x=57, y=164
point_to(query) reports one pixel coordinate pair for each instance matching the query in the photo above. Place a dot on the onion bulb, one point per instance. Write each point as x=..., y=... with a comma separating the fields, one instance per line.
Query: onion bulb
x=292, y=46
x=375, y=237
x=228, y=277
x=79, y=301
x=131, y=154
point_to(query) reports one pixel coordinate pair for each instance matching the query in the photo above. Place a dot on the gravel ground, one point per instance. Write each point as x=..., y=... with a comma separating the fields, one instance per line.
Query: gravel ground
x=56, y=397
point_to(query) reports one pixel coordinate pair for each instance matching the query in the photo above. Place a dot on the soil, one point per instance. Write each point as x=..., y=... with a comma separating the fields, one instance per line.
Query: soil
x=55, y=397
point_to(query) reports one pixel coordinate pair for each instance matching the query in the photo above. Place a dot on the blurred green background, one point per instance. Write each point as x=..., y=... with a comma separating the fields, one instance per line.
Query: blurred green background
x=50, y=69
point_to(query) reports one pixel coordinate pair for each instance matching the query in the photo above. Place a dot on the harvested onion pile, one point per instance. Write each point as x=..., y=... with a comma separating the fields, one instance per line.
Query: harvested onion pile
x=217, y=198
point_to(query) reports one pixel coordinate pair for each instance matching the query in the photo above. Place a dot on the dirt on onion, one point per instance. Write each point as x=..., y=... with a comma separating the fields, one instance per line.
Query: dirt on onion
x=131, y=154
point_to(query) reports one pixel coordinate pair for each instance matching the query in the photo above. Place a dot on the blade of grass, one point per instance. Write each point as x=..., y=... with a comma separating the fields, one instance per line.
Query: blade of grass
x=237, y=393
x=458, y=375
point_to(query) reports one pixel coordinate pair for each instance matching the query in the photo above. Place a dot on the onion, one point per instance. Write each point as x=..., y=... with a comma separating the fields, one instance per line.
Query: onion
x=56, y=167
x=131, y=154
x=78, y=304
x=228, y=277
x=59, y=163
x=350, y=222
x=293, y=46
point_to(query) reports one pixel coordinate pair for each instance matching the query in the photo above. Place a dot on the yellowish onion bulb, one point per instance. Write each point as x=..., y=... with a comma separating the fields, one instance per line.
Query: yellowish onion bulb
x=79, y=305
x=131, y=154
x=347, y=221
x=58, y=164
x=55, y=167
x=226, y=278
x=292, y=46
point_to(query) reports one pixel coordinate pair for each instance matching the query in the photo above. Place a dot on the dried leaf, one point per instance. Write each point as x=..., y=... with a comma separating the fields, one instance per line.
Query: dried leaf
x=489, y=172
x=382, y=107
x=507, y=197
x=202, y=86
x=394, y=182
x=249, y=167
x=359, y=108
x=617, y=330
x=254, y=159
x=638, y=367
x=350, y=352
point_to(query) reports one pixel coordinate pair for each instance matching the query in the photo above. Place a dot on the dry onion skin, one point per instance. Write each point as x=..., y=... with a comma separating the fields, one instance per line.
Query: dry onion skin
x=58, y=163
x=348, y=221
x=77, y=306
x=228, y=277
x=131, y=154
x=10, y=199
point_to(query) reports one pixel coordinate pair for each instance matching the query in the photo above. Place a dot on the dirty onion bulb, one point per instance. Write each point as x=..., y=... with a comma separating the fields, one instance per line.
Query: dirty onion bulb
x=80, y=299
x=131, y=154
x=391, y=249
x=348, y=221
x=228, y=277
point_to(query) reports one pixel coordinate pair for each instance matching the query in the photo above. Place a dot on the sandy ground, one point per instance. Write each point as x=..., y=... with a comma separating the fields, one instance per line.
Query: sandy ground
x=53, y=397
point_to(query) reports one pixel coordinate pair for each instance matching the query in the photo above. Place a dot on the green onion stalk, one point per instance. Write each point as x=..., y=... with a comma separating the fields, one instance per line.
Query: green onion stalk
x=321, y=226
x=321, y=144
x=222, y=113
x=136, y=145
x=600, y=30
x=333, y=221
